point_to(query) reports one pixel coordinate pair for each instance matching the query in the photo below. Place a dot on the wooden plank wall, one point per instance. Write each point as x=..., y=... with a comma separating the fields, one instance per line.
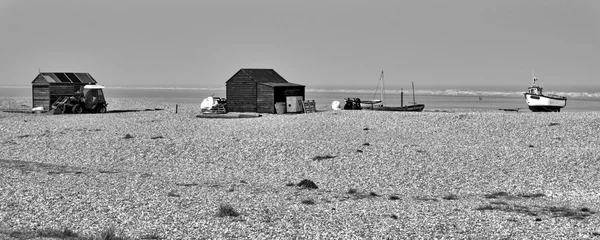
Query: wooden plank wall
x=63, y=89
x=265, y=100
x=41, y=96
x=241, y=95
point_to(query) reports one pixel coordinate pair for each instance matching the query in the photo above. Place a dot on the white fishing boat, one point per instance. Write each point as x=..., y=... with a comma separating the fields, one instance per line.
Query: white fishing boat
x=539, y=102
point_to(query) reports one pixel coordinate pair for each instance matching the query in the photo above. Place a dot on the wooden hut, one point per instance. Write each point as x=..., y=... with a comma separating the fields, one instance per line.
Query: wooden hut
x=47, y=87
x=257, y=90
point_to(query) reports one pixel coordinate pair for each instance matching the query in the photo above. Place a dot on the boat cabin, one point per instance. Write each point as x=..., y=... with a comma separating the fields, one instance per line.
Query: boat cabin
x=534, y=90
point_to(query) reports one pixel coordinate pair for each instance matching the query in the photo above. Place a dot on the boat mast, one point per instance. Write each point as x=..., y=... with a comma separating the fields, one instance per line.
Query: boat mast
x=413, y=88
x=382, y=89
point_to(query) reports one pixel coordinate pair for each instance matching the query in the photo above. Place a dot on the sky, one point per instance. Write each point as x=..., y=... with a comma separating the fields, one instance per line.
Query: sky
x=458, y=44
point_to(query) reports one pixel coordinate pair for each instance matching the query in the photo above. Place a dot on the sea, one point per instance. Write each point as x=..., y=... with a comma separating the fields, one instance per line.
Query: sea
x=434, y=99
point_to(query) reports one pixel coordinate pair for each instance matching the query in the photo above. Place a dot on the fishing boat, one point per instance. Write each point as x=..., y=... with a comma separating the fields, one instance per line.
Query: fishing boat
x=539, y=102
x=414, y=107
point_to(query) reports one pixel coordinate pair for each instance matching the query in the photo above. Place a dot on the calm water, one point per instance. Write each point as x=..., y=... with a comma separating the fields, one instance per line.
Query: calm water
x=433, y=99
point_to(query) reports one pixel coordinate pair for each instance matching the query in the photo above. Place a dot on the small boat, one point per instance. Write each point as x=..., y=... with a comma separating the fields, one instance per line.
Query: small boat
x=213, y=105
x=539, y=102
x=403, y=108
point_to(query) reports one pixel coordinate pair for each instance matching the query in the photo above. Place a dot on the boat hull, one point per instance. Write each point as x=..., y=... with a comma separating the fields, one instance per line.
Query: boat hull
x=409, y=108
x=543, y=103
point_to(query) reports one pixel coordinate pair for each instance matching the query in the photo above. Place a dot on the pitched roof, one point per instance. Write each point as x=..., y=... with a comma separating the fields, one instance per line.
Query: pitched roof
x=263, y=75
x=68, y=77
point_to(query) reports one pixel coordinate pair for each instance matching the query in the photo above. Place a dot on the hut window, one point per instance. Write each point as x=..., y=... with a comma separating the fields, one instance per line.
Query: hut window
x=62, y=77
x=73, y=78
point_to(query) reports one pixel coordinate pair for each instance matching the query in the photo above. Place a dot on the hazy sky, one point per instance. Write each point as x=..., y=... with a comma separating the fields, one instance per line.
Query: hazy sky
x=458, y=43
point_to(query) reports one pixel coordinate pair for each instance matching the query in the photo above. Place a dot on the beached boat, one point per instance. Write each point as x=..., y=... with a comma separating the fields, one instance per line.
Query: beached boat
x=539, y=102
x=414, y=107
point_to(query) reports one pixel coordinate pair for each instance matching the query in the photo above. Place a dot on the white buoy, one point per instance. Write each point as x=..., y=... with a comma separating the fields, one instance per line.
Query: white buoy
x=335, y=105
x=207, y=104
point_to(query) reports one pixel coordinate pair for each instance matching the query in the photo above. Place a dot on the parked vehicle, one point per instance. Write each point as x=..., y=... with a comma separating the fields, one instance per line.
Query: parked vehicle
x=90, y=99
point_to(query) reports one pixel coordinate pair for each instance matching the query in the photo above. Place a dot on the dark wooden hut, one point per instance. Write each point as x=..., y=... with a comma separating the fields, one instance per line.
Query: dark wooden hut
x=257, y=90
x=47, y=87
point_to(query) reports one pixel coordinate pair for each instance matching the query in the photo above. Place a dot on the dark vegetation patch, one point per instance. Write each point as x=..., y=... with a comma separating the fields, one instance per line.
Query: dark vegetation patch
x=394, y=216
x=497, y=195
x=55, y=233
x=24, y=136
x=532, y=195
x=156, y=137
x=360, y=195
x=394, y=197
x=308, y=202
x=173, y=193
x=578, y=214
x=359, y=151
x=506, y=195
x=319, y=158
x=107, y=171
x=531, y=146
x=226, y=210
x=450, y=197
x=28, y=167
x=366, y=129
x=290, y=184
x=108, y=234
x=421, y=151
x=553, y=124
x=366, y=144
x=152, y=236
x=128, y=136
x=374, y=194
x=186, y=184
x=307, y=184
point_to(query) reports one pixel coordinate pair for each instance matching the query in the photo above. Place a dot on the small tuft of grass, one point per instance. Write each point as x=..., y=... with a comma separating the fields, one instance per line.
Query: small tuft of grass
x=173, y=193
x=366, y=144
x=366, y=129
x=308, y=202
x=226, y=210
x=450, y=197
x=152, y=236
x=307, y=184
x=534, y=195
x=373, y=194
x=359, y=150
x=394, y=216
x=319, y=158
x=531, y=146
x=487, y=208
x=290, y=184
x=394, y=197
x=186, y=184
x=156, y=137
x=111, y=234
x=55, y=233
x=128, y=136
x=352, y=191
x=496, y=195
x=553, y=124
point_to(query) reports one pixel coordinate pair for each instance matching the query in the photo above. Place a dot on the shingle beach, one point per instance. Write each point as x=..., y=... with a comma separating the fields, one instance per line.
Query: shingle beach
x=154, y=174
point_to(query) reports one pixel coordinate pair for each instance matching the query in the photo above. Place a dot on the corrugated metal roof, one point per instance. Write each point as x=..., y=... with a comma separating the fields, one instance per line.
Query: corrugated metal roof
x=263, y=75
x=68, y=77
